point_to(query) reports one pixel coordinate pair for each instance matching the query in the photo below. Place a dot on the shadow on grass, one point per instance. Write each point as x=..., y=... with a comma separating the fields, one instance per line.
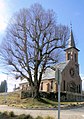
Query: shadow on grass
x=45, y=101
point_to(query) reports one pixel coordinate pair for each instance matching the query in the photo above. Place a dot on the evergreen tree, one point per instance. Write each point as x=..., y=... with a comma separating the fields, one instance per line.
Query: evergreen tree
x=3, y=86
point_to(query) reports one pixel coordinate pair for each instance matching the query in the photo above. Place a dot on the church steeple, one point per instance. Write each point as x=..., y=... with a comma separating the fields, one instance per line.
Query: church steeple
x=71, y=41
x=71, y=50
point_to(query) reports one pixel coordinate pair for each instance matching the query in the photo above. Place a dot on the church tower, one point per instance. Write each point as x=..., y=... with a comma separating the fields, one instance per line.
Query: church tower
x=72, y=51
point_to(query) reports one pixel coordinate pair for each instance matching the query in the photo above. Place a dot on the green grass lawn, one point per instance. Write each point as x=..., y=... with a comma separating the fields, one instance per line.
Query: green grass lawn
x=13, y=99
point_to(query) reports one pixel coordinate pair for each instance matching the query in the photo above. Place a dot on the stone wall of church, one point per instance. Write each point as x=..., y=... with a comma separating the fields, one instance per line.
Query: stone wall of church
x=71, y=82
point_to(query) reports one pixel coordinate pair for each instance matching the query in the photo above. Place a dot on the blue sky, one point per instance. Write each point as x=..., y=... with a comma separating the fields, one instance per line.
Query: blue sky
x=67, y=11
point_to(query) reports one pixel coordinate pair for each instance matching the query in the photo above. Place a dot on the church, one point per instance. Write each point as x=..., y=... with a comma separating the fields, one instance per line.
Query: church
x=71, y=83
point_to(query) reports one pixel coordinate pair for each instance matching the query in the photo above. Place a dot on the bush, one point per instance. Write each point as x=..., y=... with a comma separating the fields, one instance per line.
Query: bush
x=48, y=117
x=11, y=114
x=5, y=113
x=29, y=117
x=39, y=117
x=23, y=116
x=25, y=94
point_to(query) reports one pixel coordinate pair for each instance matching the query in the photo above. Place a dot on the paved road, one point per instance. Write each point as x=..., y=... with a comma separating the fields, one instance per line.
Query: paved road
x=77, y=113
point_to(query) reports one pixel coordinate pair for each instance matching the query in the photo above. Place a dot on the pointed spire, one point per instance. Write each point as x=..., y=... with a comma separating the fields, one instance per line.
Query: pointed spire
x=71, y=40
x=71, y=43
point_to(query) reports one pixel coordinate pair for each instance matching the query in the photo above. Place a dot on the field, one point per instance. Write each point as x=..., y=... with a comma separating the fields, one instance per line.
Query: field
x=13, y=99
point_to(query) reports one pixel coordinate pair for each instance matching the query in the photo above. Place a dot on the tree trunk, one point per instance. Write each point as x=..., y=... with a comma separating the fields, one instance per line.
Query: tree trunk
x=35, y=92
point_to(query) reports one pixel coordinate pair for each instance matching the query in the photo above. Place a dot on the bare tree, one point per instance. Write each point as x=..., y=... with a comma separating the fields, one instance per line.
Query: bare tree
x=31, y=43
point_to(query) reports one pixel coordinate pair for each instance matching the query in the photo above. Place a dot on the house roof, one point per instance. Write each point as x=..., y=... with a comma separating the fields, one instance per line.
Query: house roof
x=50, y=72
x=23, y=82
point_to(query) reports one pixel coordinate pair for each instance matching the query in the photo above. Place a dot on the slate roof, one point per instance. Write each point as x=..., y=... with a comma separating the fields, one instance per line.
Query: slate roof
x=71, y=40
x=50, y=72
x=71, y=43
x=61, y=66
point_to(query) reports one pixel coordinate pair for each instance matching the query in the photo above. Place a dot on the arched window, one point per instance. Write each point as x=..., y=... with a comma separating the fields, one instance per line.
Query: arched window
x=51, y=84
x=75, y=57
x=69, y=56
x=64, y=84
x=48, y=87
x=42, y=86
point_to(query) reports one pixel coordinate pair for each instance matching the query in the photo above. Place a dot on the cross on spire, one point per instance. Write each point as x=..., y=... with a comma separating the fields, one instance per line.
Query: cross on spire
x=71, y=26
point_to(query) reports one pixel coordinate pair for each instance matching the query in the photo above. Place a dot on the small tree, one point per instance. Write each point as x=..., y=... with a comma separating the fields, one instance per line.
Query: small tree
x=31, y=44
x=3, y=86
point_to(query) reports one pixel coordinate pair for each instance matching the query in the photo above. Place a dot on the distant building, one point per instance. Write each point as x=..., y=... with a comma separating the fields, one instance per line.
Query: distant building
x=24, y=86
x=71, y=83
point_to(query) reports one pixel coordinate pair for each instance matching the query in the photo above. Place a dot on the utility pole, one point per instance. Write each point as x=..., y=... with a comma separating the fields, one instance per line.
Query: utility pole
x=58, y=78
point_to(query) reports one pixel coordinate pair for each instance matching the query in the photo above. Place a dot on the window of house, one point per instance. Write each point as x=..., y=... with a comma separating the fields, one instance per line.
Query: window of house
x=26, y=88
x=67, y=87
x=64, y=85
x=75, y=57
x=22, y=87
x=69, y=56
x=26, y=85
x=77, y=68
x=77, y=89
x=51, y=84
x=42, y=86
x=48, y=87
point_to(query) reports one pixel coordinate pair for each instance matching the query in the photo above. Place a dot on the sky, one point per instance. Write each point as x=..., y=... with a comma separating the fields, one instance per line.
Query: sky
x=67, y=11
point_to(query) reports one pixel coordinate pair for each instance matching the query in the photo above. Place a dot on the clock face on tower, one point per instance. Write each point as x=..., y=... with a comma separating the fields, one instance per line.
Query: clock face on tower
x=72, y=72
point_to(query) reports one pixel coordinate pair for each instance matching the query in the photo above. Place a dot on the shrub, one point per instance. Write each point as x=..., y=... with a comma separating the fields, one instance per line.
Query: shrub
x=48, y=117
x=39, y=117
x=23, y=116
x=11, y=114
x=29, y=117
x=5, y=113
